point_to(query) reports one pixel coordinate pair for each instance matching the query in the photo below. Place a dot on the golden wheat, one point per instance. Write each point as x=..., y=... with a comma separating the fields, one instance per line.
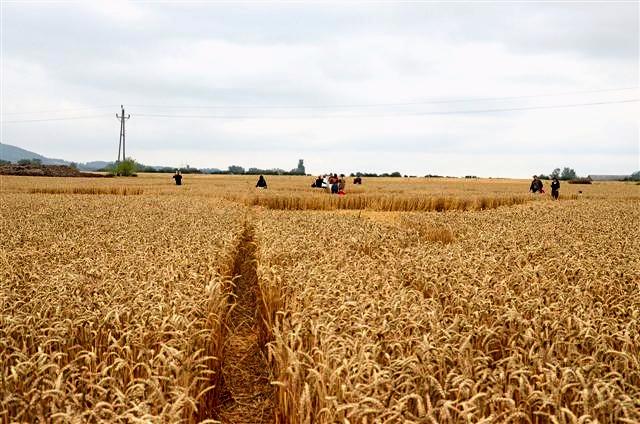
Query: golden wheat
x=529, y=315
x=112, y=310
x=371, y=308
x=378, y=202
x=123, y=191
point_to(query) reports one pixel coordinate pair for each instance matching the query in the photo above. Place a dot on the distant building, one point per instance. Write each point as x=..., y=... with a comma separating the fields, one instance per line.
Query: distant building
x=608, y=177
x=300, y=169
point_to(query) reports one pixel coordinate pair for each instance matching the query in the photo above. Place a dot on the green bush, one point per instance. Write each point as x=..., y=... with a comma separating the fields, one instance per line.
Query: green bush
x=126, y=168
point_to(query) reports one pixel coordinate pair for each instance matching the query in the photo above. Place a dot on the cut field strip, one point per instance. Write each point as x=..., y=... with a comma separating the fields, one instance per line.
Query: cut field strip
x=246, y=395
x=382, y=202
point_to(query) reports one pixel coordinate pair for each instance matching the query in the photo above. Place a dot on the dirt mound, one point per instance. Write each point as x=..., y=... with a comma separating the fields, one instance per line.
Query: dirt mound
x=45, y=171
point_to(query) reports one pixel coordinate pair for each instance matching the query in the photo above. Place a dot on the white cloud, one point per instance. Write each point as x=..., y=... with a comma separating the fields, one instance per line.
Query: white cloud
x=175, y=56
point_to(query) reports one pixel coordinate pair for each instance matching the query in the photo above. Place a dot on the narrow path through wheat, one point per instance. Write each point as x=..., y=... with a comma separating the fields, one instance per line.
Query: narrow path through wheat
x=247, y=392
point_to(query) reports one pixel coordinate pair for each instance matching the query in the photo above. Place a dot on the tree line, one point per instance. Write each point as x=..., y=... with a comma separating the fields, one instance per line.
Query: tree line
x=564, y=174
x=129, y=167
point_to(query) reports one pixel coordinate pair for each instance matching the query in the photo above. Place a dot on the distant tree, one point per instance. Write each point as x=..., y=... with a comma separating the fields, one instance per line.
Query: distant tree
x=145, y=168
x=544, y=177
x=568, y=174
x=555, y=173
x=73, y=165
x=235, y=169
x=36, y=162
x=125, y=168
x=5, y=162
x=635, y=176
x=369, y=174
x=189, y=170
x=395, y=174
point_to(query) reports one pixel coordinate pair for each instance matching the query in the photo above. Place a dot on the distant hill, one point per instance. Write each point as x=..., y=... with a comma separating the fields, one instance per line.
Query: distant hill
x=94, y=165
x=14, y=154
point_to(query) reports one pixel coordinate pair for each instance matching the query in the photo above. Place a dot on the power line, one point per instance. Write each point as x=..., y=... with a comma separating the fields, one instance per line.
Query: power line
x=20, y=121
x=327, y=106
x=57, y=110
x=379, y=115
x=366, y=105
x=453, y=112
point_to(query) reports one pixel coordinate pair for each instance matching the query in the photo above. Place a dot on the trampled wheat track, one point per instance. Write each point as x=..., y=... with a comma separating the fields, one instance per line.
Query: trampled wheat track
x=246, y=395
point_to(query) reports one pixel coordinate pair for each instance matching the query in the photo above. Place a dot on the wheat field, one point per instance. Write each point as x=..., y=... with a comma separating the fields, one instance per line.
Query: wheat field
x=407, y=300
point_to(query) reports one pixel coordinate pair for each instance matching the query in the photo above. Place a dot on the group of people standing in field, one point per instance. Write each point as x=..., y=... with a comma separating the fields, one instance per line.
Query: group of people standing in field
x=336, y=185
x=537, y=186
x=331, y=183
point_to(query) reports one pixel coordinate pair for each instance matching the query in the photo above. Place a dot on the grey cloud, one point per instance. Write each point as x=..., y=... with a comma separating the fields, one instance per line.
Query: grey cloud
x=324, y=54
x=599, y=29
x=602, y=29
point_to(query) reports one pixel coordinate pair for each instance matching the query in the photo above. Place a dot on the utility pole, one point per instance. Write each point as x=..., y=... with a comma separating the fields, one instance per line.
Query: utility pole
x=121, y=145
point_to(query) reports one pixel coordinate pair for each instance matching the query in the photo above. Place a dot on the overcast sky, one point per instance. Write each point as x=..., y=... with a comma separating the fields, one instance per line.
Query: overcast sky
x=363, y=86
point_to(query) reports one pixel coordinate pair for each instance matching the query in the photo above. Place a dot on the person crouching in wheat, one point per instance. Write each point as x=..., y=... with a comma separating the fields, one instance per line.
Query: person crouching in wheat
x=262, y=183
x=536, y=185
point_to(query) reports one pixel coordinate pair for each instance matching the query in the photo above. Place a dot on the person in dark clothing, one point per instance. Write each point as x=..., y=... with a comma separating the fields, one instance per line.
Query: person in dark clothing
x=536, y=185
x=318, y=183
x=555, y=188
x=178, y=178
x=357, y=180
x=262, y=183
